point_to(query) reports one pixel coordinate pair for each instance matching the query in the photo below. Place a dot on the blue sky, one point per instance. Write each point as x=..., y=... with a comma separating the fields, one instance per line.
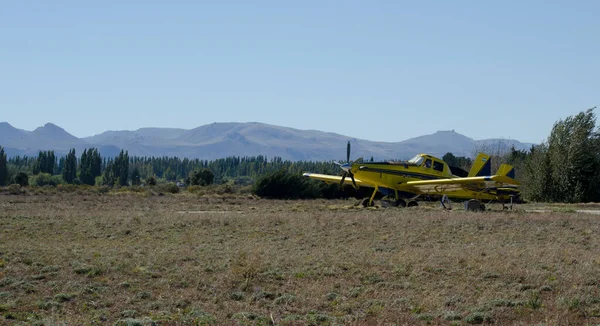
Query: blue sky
x=380, y=70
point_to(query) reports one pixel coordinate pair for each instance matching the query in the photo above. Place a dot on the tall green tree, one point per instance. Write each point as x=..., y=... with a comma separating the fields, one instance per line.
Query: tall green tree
x=46, y=163
x=574, y=157
x=69, y=171
x=117, y=170
x=85, y=171
x=90, y=166
x=566, y=168
x=108, y=177
x=3, y=168
x=122, y=168
x=136, y=179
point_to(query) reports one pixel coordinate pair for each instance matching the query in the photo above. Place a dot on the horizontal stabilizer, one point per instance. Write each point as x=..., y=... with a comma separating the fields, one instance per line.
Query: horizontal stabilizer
x=506, y=170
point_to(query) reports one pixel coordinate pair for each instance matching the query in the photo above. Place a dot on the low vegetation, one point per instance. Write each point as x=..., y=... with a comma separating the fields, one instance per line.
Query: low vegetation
x=137, y=258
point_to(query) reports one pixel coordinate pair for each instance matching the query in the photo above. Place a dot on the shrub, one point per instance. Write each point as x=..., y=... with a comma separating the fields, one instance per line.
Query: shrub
x=285, y=299
x=475, y=318
x=63, y=297
x=225, y=189
x=22, y=179
x=45, y=179
x=169, y=187
x=14, y=189
x=283, y=185
x=67, y=188
x=102, y=189
x=151, y=181
x=135, y=189
x=236, y=296
x=202, y=177
x=195, y=190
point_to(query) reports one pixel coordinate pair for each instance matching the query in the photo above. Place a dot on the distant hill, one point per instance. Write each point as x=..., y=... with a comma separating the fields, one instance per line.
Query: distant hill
x=219, y=140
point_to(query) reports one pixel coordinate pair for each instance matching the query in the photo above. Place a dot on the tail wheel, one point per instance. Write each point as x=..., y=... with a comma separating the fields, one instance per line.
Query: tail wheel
x=400, y=203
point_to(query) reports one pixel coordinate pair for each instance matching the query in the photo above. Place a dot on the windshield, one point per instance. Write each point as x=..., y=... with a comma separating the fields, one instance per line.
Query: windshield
x=417, y=160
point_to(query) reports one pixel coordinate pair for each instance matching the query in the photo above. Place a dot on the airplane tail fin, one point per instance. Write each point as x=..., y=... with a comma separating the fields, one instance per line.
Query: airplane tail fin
x=506, y=170
x=482, y=166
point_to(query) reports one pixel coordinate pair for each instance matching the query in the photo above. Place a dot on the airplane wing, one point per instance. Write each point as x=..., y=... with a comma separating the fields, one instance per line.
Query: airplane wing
x=485, y=184
x=336, y=179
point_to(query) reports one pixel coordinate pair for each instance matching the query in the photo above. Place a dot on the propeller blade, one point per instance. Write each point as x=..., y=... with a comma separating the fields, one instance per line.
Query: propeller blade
x=353, y=181
x=343, y=178
x=348, y=152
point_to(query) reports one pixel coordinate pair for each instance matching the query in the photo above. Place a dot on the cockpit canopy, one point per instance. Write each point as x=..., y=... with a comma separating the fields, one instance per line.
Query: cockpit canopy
x=428, y=162
x=417, y=160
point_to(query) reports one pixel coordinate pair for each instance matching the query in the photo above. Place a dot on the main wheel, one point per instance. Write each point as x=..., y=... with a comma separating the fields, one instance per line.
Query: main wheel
x=365, y=202
x=474, y=205
x=400, y=203
x=412, y=203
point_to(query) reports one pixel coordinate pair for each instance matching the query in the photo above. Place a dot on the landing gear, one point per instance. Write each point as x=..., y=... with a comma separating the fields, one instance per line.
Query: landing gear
x=445, y=202
x=412, y=203
x=366, y=202
x=474, y=205
x=504, y=207
x=373, y=196
x=393, y=203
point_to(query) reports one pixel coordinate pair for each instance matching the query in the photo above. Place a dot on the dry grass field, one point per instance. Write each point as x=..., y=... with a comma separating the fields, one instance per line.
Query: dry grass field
x=132, y=259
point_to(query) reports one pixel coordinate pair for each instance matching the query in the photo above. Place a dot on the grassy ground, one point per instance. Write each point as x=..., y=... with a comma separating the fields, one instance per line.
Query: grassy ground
x=132, y=259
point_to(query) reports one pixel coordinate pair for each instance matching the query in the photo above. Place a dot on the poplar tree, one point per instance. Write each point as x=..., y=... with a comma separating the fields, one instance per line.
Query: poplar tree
x=3, y=168
x=69, y=172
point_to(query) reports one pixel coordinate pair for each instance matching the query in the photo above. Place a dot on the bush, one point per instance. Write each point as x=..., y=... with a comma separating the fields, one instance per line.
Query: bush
x=224, y=189
x=135, y=189
x=151, y=181
x=169, y=187
x=14, y=189
x=194, y=189
x=102, y=189
x=202, y=177
x=22, y=179
x=283, y=185
x=45, y=179
x=67, y=188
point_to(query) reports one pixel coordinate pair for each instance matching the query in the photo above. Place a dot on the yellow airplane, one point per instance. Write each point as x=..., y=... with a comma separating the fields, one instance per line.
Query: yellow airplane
x=426, y=175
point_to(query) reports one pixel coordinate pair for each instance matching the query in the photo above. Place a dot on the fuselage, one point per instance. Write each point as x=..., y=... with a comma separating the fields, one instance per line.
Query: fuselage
x=392, y=177
x=395, y=173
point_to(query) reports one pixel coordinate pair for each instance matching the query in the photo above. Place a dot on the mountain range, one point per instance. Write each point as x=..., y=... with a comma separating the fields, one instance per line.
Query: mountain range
x=218, y=140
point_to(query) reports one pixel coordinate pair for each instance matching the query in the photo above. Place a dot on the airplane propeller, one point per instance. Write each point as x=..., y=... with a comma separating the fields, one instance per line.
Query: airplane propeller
x=347, y=168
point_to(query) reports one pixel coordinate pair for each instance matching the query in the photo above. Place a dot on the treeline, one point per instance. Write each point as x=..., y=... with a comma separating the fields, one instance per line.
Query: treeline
x=566, y=167
x=93, y=169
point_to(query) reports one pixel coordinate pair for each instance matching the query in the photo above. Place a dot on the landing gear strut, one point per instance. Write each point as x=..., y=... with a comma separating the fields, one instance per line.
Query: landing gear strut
x=504, y=207
x=445, y=202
